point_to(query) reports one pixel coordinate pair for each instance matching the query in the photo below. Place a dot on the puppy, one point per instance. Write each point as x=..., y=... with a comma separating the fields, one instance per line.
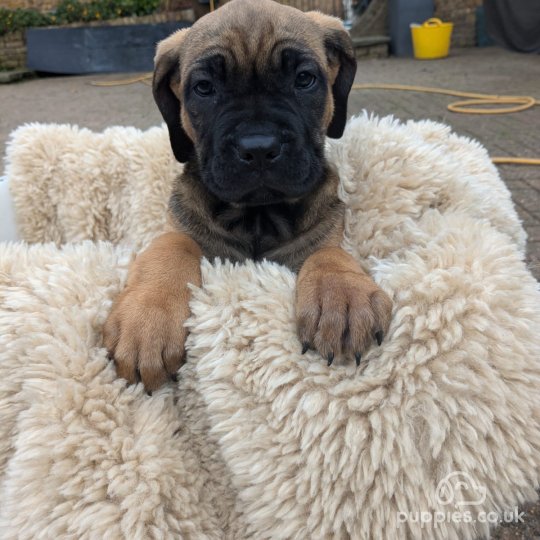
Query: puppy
x=249, y=93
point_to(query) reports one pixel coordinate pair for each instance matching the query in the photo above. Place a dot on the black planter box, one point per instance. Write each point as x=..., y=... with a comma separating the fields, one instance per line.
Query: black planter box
x=96, y=49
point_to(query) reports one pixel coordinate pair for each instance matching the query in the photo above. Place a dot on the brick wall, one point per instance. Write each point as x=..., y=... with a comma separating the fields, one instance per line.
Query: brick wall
x=40, y=5
x=463, y=14
x=12, y=51
x=330, y=7
x=49, y=5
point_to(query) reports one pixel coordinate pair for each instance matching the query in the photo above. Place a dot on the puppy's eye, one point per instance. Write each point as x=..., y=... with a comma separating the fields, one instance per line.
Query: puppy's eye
x=204, y=88
x=304, y=80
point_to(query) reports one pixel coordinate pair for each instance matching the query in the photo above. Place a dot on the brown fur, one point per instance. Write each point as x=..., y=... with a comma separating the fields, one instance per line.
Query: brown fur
x=318, y=218
x=244, y=35
x=145, y=330
x=339, y=308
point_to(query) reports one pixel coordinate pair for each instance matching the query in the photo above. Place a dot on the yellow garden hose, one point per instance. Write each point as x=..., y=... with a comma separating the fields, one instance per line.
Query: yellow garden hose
x=507, y=160
x=146, y=79
x=519, y=103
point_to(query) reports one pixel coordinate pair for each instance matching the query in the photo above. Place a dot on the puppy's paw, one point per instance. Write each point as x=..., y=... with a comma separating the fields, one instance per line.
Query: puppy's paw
x=145, y=336
x=341, y=312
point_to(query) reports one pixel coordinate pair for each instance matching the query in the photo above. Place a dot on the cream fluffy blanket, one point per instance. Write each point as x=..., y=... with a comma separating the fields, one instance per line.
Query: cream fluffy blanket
x=257, y=441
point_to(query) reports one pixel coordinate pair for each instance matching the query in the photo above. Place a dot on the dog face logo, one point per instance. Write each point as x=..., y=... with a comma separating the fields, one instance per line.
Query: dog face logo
x=461, y=489
x=249, y=92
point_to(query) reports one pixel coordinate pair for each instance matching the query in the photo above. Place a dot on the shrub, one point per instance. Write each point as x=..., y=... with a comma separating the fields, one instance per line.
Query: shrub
x=70, y=11
x=12, y=20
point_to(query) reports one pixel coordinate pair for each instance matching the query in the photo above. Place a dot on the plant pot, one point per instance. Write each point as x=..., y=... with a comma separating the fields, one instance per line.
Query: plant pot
x=96, y=49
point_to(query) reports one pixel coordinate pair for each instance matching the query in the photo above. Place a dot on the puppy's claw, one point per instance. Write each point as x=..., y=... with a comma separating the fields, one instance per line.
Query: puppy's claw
x=305, y=347
x=358, y=357
x=330, y=358
x=379, y=337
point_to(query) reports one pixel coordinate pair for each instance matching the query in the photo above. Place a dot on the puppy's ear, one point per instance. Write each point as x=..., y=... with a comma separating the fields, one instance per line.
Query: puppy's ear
x=342, y=63
x=167, y=77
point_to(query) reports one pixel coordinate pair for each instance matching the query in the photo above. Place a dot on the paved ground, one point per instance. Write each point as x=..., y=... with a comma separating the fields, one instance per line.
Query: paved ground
x=74, y=100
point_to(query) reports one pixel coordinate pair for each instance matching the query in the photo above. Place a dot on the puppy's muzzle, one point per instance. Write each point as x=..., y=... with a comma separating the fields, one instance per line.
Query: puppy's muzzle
x=260, y=162
x=258, y=151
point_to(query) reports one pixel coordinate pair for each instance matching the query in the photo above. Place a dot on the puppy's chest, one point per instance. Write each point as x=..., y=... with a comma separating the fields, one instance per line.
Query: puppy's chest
x=257, y=232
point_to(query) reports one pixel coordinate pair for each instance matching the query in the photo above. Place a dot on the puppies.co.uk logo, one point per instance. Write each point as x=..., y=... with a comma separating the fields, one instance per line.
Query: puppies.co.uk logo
x=456, y=491
x=462, y=484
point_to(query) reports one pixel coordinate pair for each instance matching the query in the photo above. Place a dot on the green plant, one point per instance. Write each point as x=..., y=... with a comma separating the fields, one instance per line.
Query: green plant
x=12, y=20
x=74, y=11
x=70, y=11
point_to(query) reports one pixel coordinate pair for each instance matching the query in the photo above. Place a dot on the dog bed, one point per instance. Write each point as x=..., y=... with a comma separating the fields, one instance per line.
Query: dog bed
x=256, y=440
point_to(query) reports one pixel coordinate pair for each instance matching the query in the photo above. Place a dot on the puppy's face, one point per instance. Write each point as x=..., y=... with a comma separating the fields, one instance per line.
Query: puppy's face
x=250, y=91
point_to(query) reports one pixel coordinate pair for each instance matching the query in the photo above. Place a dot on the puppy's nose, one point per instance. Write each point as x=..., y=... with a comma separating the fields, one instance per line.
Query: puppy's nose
x=259, y=150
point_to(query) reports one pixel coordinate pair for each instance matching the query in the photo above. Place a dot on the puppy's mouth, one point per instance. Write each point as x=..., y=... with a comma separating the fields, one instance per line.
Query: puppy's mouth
x=262, y=197
x=263, y=190
x=291, y=176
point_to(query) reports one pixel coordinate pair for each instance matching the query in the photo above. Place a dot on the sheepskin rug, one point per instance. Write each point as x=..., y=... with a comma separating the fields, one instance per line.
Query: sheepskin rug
x=256, y=440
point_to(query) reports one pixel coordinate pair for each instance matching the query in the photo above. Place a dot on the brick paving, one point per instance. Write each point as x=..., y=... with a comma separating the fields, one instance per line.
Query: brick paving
x=492, y=70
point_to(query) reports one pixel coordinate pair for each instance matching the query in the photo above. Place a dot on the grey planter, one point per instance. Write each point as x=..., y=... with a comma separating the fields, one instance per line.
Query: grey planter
x=96, y=49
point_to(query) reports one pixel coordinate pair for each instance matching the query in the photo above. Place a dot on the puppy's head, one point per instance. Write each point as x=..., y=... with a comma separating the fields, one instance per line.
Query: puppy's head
x=250, y=91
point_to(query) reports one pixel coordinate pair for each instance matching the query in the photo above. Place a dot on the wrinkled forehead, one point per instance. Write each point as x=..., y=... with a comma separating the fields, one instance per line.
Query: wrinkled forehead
x=253, y=40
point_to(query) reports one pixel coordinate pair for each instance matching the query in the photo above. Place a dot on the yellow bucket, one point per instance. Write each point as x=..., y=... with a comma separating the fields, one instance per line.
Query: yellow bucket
x=431, y=39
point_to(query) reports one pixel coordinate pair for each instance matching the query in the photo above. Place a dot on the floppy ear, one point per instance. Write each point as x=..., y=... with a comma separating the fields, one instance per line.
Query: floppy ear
x=340, y=54
x=167, y=73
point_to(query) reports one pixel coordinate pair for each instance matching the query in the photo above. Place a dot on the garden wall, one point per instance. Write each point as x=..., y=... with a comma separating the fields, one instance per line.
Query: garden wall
x=331, y=7
x=40, y=5
x=49, y=5
x=12, y=51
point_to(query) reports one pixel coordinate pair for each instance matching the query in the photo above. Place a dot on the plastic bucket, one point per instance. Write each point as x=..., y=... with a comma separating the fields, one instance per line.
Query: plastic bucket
x=431, y=39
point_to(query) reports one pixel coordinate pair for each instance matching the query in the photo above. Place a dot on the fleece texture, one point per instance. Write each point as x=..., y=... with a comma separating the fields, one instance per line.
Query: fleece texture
x=256, y=440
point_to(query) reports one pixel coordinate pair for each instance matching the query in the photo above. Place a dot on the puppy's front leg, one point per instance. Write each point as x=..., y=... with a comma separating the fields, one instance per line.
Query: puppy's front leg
x=339, y=308
x=145, y=330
